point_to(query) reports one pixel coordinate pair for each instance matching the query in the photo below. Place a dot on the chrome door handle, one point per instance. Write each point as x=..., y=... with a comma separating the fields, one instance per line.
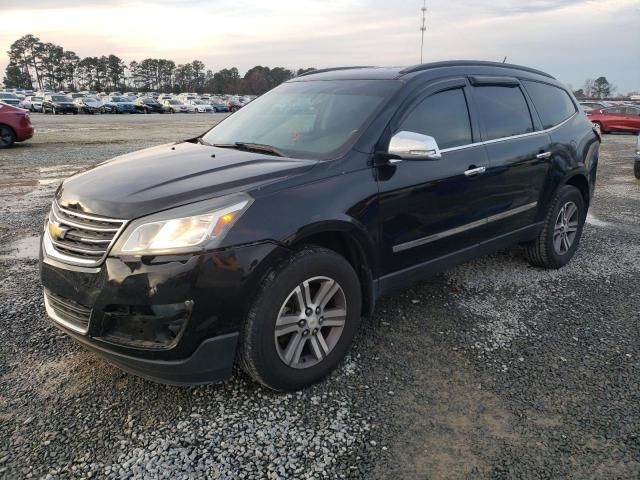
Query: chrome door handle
x=475, y=171
x=543, y=155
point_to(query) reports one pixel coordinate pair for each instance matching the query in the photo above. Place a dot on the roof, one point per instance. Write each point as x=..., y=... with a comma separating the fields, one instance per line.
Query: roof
x=391, y=73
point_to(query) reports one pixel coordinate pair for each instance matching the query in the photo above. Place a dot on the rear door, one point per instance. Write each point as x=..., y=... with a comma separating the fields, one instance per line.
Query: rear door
x=518, y=149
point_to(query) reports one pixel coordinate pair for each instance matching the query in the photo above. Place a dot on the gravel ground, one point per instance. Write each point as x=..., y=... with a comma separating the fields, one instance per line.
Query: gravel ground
x=491, y=370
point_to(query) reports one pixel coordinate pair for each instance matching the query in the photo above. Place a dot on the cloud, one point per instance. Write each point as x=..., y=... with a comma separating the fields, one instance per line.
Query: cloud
x=553, y=35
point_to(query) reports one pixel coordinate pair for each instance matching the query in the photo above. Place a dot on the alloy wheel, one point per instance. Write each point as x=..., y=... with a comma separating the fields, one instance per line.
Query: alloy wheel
x=566, y=228
x=310, y=322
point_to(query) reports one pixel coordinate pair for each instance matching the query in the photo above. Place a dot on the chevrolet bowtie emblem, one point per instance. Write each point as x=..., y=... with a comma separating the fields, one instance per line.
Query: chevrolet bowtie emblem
x=57, y=231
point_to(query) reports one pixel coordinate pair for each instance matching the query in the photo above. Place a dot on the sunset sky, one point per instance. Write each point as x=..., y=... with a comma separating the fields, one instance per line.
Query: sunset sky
x=571, y=39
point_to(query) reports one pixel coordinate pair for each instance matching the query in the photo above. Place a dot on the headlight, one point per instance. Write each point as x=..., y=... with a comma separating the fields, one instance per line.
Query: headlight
x=185, y=229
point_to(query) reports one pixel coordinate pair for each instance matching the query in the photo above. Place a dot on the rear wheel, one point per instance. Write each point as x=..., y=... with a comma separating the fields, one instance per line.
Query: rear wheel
x=7, y=137
x=303, y=320
x=558, y=241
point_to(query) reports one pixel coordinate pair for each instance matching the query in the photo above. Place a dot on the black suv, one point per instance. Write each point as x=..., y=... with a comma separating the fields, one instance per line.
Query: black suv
x=268, y=238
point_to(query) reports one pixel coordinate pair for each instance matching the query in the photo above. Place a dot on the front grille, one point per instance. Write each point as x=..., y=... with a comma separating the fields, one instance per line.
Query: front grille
x=67, y=312
x=81, y=238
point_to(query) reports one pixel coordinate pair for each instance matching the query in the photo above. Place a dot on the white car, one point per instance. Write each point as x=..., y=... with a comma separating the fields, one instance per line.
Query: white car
x=33, y=103
x=200, y=106
x=176, y=106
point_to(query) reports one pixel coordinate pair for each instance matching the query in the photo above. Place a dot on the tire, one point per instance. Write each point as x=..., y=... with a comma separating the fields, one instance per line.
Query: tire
x=636, y=169
x=544, y=251
x=602, y=130
x=7, y=136
x=262, y=354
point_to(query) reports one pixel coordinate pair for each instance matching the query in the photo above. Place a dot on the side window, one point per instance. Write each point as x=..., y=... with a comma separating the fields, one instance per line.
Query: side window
x=553, y=104
x=503, y=111
x=444, y=116
x=632, y=111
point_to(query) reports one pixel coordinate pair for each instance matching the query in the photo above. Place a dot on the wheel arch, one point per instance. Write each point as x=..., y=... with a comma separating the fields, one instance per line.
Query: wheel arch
x=348, y=240
x=579, y=180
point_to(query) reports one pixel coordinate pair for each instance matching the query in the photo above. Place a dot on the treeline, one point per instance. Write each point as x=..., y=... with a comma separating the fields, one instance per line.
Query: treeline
x=39, y=65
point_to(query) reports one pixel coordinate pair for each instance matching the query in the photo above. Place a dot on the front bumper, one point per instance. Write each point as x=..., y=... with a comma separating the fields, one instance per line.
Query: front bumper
x=123, y=301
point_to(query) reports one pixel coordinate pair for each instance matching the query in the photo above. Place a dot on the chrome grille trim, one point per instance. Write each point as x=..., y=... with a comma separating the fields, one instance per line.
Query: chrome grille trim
x=88, y=238
x=67, y=313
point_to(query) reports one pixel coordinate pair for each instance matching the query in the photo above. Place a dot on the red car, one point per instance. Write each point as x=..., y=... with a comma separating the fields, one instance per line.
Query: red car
x=15, y=125
x=622, y=118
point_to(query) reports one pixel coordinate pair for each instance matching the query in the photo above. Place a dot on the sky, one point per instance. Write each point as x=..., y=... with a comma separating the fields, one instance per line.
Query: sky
x=570, y=39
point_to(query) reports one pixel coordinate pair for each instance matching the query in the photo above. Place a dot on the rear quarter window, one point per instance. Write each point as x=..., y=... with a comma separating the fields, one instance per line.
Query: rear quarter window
x=553, y=104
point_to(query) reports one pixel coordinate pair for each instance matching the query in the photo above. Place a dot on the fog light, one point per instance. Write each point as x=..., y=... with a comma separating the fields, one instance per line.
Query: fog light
x=146, y=326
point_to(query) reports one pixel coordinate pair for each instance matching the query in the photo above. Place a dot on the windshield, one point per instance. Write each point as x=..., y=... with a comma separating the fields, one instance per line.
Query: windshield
x=7, y=95
x=119, y=99
x=60, y=98
x=310, y=119
x=174, y=102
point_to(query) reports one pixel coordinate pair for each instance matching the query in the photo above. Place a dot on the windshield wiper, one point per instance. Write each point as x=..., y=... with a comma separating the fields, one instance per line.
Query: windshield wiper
x=252, y=147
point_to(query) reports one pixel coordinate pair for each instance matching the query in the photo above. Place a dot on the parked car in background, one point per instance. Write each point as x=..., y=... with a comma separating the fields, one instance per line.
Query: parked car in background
x=218, y=104
x=118, y=104
x=273, y=252
x=199, y=106
x=15, y=125
x=175, y=106
x=588, y=106
x=58, y=104
x=9, y=98
x=234, y=104
x=88, y=104
x=622, y=118
x=148, y=105
x=33, y=103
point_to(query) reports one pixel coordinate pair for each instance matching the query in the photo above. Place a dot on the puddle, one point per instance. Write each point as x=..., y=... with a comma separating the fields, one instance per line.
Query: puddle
x=23, y=248
x=591, y=220
x=49, y=181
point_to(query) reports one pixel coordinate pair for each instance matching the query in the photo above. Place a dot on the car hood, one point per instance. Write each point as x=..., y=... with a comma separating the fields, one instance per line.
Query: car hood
x=158, y=178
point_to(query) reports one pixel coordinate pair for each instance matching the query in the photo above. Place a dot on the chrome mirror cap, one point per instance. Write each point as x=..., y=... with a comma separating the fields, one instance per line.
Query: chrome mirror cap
x=414, y=146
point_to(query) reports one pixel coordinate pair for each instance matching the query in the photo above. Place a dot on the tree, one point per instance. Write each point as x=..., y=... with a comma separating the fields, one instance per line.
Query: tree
x=14, y=77
x=601, y=88
x=587, y=88
x=304, y=70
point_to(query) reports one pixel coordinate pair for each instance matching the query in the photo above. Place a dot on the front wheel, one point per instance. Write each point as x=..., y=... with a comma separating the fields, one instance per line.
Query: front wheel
x=558, y=241
x=302, y=321
x=636, y=169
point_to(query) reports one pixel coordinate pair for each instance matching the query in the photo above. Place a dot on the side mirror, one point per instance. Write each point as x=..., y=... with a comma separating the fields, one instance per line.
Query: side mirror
x=414, y=146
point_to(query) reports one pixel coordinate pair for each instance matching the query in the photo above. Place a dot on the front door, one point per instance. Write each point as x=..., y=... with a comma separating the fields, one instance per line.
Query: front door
x=431, y=208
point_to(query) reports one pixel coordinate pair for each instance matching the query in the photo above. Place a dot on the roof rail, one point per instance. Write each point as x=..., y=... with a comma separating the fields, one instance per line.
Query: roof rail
x=469, y=63
x=333, y=69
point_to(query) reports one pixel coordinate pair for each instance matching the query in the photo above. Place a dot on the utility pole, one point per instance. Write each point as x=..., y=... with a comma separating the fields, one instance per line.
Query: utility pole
x=424, y=27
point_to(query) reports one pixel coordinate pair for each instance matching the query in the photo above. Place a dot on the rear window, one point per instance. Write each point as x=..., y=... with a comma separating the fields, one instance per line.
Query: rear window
x=553, y=104
x=503, y=111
